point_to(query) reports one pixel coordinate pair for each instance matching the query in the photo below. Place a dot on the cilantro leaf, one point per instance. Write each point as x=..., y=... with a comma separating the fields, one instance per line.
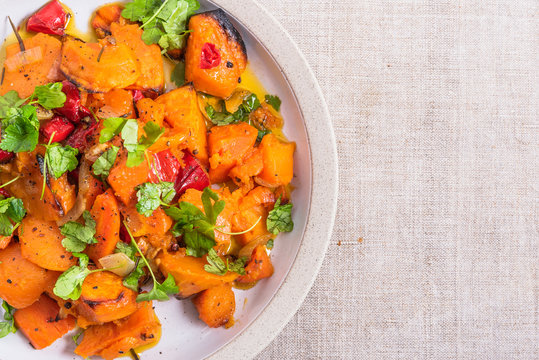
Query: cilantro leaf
x=111, y=128
x=131, y=281
x=274, y=101
x=50, y=96
x=178, y=74
x=269, y=244
x=10, y=100
x=105, y=162
x=127, y=249
x=69, y=283
x=250, y=103
x=8, y=326
x=136, y=149
x=280, y=218
x=20, y=129
x=60, y=159
x=11, y=211
x=196, y=227
x=217, y=266
x=77, y=236
x=150, y=196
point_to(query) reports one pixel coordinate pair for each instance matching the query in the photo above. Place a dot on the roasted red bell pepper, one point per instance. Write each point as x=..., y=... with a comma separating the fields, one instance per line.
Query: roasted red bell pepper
x=165, y=167
x=5, y=156
x=210, y=56
x=137, y=95
x=59, y=126
x=50, y=19
x=72, y=109
x=82, y=135
x=4, y=193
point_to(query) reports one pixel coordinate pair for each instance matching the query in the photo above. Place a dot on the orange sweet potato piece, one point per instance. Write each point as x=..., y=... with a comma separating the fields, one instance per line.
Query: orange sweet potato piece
x=183, y=114
x=26, y=78
x=107, y=231
x=251, y=207
x=227, y=146
x=104, y=17
x=41, y=322
x=215, y=28
x=41, y=243
x=189, y=273
x=5, y=241
x=149, y=110
x=104, y=298
x=22, y=281
x=139, y=225
x=216, y=305
x=278, y=158
x=259, y=267
x=124, y=180
x=251, y=165
x=117, y=103
x=117, y=66
x=114, y=339
x=95, y=188
x=152, y=72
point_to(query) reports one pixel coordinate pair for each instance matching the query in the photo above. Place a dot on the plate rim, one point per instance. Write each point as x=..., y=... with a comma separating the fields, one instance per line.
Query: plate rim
x=303, y=272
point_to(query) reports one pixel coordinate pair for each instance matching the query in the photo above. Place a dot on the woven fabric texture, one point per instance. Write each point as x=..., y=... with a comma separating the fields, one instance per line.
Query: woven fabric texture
x=435, y=248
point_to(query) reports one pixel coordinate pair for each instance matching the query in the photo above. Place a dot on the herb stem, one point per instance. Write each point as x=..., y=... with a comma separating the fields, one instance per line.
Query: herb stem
x=10, y=181
x=154, y=15
x=139, y=251
x=45, y=166
x=241, y=232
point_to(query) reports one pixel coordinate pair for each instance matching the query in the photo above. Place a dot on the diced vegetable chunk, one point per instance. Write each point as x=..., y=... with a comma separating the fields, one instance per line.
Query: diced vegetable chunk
x=50, y=19
x=216, y=305
x=107, y=217
x=278, y=158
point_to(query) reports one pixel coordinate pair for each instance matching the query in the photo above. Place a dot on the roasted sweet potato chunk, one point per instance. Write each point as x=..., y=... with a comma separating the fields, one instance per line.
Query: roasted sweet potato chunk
x=41, y=322
x=104, y=17
x=41, y=243
x=216, y=305
x=24, y=79
x=104, y=298
x=259, y=267
x=278, y=157
x=107, y=233
x=215, y=56
x=124, y=180
x=99, y=67
x=22, y=281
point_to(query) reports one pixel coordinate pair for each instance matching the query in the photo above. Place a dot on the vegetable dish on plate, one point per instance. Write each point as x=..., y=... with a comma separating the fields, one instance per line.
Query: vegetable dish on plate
x=134, y=167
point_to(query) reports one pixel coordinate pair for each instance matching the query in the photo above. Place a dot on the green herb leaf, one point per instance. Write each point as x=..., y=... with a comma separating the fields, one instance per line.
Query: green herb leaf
x=131, y=281
x=197, y=228
x=216, y=265
x=76, y=337
x=111, y=128
x=69, y=284
x=77, y=236
x=150, y=196
x=280, y=218
x=8, y=326
x=127, y=249
x=105, y=162
x=11, y=211
x=50, y=96
x=178, y=74
x=249, y=104
x=136, y=149
x=274, y=101
x=20, y=129
x=269, y=244
x=10, y=100
x=60, y=159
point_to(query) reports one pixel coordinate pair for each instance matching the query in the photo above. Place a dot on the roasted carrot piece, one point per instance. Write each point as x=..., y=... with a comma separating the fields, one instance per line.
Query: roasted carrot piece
x=259, y=267
x=278, y=157
x=104, y=298
x=22, y=281
x=139, y=225
x=216, y=305
x=189, y=273
x=117, y=66
x=107, y=232
x=183, y=114
x=41, y=322
x=152, y=73
x=227, y=146
x=215, y=56
x=104, y=17
x=41, y=243
x=124, y=180
x=26, y=78
x=149, y=110
x=5, y=241
x=114, y=339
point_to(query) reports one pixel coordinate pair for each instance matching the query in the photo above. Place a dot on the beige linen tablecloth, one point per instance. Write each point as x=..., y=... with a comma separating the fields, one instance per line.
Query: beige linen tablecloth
x=435, y=252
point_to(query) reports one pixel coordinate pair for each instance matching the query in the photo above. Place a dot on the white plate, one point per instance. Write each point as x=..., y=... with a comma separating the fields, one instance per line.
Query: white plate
x=263, y=311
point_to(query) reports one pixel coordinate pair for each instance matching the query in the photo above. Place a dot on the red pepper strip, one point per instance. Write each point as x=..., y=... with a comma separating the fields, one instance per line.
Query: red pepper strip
x=72, y=109
x=5, y=156
x=4, y=193
x=80, y=138
x=165, y=167
x=137, y=95
x=59, y=126
x=50, y=19
x=191, y=176
x=210, y=56
x=124, y=234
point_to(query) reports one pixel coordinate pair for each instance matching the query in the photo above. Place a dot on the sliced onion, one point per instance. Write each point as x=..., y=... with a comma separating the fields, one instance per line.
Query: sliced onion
x=247, y=250
x=118, y=263
x=80, y=203
x=262, y=182
x=17, y=61
x=95, y=152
